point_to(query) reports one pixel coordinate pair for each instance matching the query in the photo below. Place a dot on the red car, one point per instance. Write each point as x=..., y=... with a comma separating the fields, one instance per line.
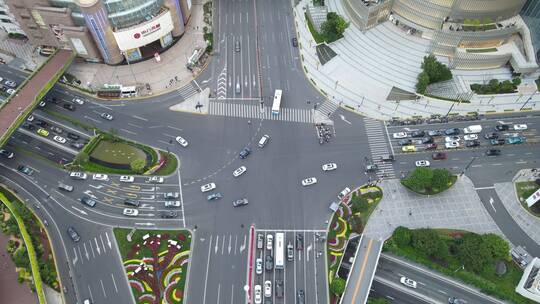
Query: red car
x=438, y=155
x=432, y=146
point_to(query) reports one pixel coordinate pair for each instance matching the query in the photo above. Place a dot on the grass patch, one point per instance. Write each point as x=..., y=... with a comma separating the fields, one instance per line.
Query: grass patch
x=171, y=164
x=524, y=190
x=164, y=280
x=487, y=281
x=97, y=168
x=120, y=153
x=318, y=37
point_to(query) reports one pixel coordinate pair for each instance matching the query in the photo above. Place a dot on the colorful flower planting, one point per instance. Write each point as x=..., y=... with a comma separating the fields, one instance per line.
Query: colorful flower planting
x=156, y=263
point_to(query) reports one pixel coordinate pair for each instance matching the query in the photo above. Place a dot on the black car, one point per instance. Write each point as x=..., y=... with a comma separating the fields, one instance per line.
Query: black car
x=131, y=202
x=169, y=214
x=491, y=135
x=299, y=242
x=29, y=126
x=427, y=140
x=300, y=297
x=73, y=136
x=404, y=142
x=69, y=106
x=435, y=133
x=73, y=234
x=88, y=201
x=493, y=152
x=269, y=263
x=245, y=152
x=418, y=133
x=502, y=127
x=42, y=123
x=54, y=100
x=279, y=288
x=472, y=143
x=451, y=131
x=497, y=142
x=294, y=42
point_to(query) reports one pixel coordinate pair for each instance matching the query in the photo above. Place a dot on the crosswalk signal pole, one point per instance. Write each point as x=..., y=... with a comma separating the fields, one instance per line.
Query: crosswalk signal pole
x=262, y=104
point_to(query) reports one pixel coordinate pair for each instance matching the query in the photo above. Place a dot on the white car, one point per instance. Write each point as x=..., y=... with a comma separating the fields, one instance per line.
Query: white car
x=172, y=204
x=131, y=212
x=182, y=141
x=258, y=294
x=155, y=179
x=258, y=266
x=422, y=163
x=407, y=282
x=451, y=138
x=269, y=241
x=239, y=171
x=208, y=187
x=309, y=181
x=78, y=101
x=344, y=193
x=42, y=104
x=10, y=83
x=520, y=127
x=451, y=145
x=59, y=139
x=30, y=118
x=400, y=135
x=106, y=116
x=78, y=175
x=11, y=91
x=127, y=179
x=267, y=289
x=329, y=167
x=100, y=177
x=471, y=137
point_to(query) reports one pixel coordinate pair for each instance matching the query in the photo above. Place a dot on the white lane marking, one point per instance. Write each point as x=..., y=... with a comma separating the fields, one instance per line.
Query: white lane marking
x=138, y=117
x=108, y=241
x=103, y=288
x=128, y=131
x=177, y=129
x=207, y=267
x=114, y=283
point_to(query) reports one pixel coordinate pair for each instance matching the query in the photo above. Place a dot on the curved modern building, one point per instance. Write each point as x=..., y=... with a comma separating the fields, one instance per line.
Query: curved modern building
x=473, y=34
x=110, y=31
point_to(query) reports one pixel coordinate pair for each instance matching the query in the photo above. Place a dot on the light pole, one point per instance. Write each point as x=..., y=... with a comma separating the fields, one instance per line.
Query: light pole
x=528, y=99
x=129, y=65
x=467, y=166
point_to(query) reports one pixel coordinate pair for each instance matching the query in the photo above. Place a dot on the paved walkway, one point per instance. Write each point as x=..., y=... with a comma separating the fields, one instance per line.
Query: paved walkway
x=170, y=73
x=526, y=221
x=457, y=208
x=10, y=290
x=368, y=65
x=27, y=55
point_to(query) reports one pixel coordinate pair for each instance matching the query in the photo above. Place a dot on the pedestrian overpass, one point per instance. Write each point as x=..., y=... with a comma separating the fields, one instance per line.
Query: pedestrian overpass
x=31, y=91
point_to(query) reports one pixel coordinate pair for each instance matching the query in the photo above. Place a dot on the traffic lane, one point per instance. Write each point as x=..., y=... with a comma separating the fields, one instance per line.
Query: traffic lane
x=8, y=72
x=506, y=223
x=429, y=283
x=396, y=296
x=39, y=147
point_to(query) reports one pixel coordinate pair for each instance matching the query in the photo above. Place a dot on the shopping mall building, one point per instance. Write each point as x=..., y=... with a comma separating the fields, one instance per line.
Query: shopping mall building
x=110, y=31
x=473, y=34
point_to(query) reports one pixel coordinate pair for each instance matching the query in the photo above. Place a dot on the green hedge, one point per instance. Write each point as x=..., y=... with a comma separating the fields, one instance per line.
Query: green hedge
x=29, y=247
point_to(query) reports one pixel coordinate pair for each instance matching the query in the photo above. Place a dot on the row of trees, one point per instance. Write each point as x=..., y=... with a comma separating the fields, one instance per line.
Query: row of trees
x=432, y=71
x=477, y=253
x=494, y=86
x=428, y=181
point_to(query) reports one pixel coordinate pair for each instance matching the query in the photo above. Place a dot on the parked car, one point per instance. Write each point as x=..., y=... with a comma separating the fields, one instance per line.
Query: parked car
x=43, y=132
x=245, y=152
x=451, y=131
x=399, y=135
x=404, y=142
x=497, y=142
x=25, y=170
x=181, y=141
x=56, y=130
x=514, y=140
x=155, y=180
x=290, y=252
x=240, y=202
x=454, y=300
x=168, y=214
x=438, y=156
x=491, y=135
x=172, y=204
x=28, y=126
x=435, y=133
x=432, y=146
x=408, y=149
x=73, y=234
x=78, y=101
x=344, y=193
x=263, y=141
x=88, y=201
x=520, y=127
x=300, y=297
x=257, y=290
x=452, y=138
x=260, y=241
x=130, y=212
x=269, y=262
x=294, y=42
x=73, y=136
x=418, y=133
x=171, y=195
x=69, y=106
x=269, y=241
x=451, y=145
x=78, y=175
x=279, y=288
x=299, y=242
x=502, y=127
x=493, y=152
x=426, y=140
x=472, y=143
x=6, y=153
x=258, y=266
x=267, y=289
x=59, y=139
x=100, y=177
x=214, y=196
x=132, y=202
x=41, y=123
x=65, y=187
x=471, y=137
x=127, y=179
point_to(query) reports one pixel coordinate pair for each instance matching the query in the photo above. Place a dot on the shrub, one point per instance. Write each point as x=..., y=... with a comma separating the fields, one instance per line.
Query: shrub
x=138, y=165
x=432, y=71
x=402, y=236
x=337, y=286
x=356, y=224
x=473, y=254
x=429, y=242
x=334, y=27
x=428, y=181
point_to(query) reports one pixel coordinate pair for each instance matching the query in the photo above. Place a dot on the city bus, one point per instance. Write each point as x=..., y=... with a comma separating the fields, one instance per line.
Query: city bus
x=277, y=102
x=280, y=250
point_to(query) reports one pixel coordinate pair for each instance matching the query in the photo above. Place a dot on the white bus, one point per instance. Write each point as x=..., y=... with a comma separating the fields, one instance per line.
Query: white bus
x=280, y=250
x=277, y=102
x=128, y=91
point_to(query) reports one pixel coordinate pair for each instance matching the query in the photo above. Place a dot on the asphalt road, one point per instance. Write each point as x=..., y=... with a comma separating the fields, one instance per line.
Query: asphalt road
x=396, y=296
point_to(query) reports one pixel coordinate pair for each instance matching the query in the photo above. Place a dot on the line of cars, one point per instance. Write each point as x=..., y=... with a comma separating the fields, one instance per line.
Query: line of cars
x=44, y=129
x=8, y=86
x=453, y=140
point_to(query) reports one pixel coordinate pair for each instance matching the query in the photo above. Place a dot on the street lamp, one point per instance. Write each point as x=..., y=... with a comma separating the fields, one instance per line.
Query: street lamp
x=129, y=65
x=528, y=99
x=467, y=166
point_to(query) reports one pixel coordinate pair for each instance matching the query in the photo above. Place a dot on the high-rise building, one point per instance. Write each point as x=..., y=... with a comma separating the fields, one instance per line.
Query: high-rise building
x=111, y=31
x=473, y=34
x=531, y=15
x=7, y=21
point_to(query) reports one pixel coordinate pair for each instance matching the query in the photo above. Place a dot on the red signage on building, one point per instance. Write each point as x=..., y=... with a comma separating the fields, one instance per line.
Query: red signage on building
x=147, y=31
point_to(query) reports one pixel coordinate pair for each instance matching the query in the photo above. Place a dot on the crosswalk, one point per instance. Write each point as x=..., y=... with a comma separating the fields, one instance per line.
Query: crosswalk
x=187, y=91
x=224, y=108
x=378, y=146
x=327, y=108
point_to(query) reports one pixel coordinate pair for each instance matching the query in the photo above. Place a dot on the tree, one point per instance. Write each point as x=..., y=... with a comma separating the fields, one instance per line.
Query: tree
x=378, y=301
x=334, y=27
x=473, y=254
x=337, y=286
x=441, y=178
x=138, y=165
x=506, y=87
x=497, y=246
x=423, y=82
x=419, y=180
x=435, y=70
x=429, y=242
x=402, y=236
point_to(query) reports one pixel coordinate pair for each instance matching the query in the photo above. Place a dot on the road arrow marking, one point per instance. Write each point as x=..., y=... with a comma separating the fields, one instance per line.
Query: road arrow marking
x=243, y=247
x=81, y=211
x=308, y=250
x=491, y=201
x=216, y=247
x=89, y=193
x=230, y=239
x=108, y=241
x=149, y=189
x=145, y=224
x=344, y=119
x=74, y=261
x=102, y=244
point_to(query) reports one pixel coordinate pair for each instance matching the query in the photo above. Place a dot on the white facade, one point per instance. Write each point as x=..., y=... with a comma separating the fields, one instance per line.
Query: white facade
x=7, y=22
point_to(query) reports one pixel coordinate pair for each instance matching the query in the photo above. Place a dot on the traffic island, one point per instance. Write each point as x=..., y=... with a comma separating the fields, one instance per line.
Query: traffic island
x=344, y=230
x=524, y=190
x=156, y=263
x=481, y=260
x=29, y=245
x=429, y=181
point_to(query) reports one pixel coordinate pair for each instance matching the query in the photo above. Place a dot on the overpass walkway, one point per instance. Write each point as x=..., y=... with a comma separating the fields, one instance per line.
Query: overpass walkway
x=30, y=92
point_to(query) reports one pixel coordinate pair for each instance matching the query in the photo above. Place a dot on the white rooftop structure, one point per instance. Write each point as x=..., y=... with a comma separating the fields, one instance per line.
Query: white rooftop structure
x=529, y=285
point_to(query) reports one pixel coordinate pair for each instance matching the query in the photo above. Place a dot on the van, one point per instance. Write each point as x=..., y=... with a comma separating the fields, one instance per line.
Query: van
x=472, y=129
x=387, y=157
x=264, y=140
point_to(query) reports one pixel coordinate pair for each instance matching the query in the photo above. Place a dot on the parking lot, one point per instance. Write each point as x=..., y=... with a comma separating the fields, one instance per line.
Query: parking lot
x=303, y=269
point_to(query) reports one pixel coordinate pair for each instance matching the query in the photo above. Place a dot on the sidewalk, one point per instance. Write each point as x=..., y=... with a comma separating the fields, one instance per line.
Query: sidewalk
x=457, y=208
x=169, y=74
x=18, y=53
x=368, y=67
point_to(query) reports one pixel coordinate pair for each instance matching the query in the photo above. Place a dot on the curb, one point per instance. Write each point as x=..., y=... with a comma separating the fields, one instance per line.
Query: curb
x=191, y=247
